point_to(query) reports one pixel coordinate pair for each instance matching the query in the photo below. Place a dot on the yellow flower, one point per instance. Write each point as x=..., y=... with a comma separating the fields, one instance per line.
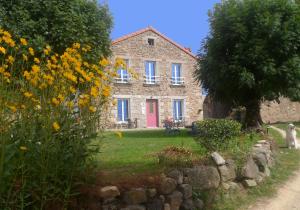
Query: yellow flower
x=119, y=134
x=70, y=104
x=56, y=126
x=10, y=59
x=3, y=50
x=31, y=51
x=23, y=148
x=55, y=101
x=76, y=45
x=70, y=77
x=35, y=69
x=26, y=74
x=106, y=91
x=92, y=109
x=94, y=92
x=61, y=97
x=23, y=41
x=28, y=94
x=12, y=108
x=36, y=60
x=47, y=50
x=72, y=89
x=104, y=62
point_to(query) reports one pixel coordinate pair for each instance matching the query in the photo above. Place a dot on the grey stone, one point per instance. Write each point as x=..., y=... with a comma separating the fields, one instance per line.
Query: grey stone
x=177, y=175
x=249, y=183
x=109, y=192
x=167, y=185
x=261, y=161
x=186, y=190
x=218, y=159
x=175, y=200
x=227, y=171
x=233, y=186
x=204, y=178
x=135, y=196
x=250, y=170
x=151, y=192
x=167, y=206
x=134, y=207
x=199, y=204
x=162, y=198
x=188, y=205
x=155, y=204
x=110, y=207
x=225, y=186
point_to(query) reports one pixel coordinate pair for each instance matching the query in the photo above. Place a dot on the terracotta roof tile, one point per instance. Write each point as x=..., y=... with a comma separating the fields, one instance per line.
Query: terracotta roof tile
x=186, y=50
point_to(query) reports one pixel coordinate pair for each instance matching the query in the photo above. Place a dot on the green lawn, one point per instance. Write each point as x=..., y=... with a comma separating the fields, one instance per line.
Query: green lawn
x=136, y=149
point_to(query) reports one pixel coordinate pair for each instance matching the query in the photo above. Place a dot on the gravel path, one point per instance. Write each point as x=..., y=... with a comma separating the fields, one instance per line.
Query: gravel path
x=288, y=196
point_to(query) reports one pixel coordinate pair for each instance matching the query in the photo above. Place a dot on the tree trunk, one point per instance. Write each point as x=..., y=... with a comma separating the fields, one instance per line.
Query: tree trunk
x=253, y=117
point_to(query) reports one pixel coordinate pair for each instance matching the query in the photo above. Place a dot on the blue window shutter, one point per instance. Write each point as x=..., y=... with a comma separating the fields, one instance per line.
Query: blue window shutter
x=153, y=69
x=119, y=72
x=147, y=68
x=174, y=110
x=179, y=70
x=180, y=109
x=173, y=72
x=119, y=110
x=125, y=109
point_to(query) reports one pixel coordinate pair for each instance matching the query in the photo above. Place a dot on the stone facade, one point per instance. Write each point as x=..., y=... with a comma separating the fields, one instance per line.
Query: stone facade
x=136, y=49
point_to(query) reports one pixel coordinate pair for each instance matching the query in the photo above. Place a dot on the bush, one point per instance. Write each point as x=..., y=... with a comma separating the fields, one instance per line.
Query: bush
x=217, y=134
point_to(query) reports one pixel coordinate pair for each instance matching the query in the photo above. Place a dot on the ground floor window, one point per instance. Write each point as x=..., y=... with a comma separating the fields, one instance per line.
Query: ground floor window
x=123, y=109
x=178, y=109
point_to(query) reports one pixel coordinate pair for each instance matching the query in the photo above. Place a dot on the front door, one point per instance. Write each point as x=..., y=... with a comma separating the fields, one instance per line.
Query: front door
x=152, y=113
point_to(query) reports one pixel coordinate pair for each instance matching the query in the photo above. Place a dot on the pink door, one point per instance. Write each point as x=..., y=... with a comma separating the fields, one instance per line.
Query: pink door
x=152, y=113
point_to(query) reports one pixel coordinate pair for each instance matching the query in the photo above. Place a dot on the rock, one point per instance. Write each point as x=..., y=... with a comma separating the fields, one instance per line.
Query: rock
x=262, y=141
x=199, y=204
x=185, y=180
x=186, y=190
x=109, y=192
x=259, y=179
x=134, y=207
x=175, y=200
x=135, y=196
x=233, y=186
x=109, y=207
x=204, y=178
x=225, y=186
x=227, y=171
x=187, y=205
x=249, y=183
x=155, y=204
x=267, y=172
x=167, y=207
x=167, y=185
x=177, y=175
x=162, y=198
x=151, y=192
x=218, y=159
x=261, y=161
x=250, y=170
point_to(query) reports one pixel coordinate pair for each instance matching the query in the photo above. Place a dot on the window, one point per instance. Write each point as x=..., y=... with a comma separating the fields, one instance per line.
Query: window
x=178, y=109
x=123, y=76
x=123, y=110
x=176, y=74
x=151, y=42
x=150, y=77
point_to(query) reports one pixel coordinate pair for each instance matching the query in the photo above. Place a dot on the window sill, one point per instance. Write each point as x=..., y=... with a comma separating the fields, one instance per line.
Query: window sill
x=123, y=83
x=150, y=84
x=177, y=85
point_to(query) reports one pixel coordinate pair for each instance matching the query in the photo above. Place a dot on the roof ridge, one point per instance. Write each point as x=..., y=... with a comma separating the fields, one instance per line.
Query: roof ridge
x=150, y=28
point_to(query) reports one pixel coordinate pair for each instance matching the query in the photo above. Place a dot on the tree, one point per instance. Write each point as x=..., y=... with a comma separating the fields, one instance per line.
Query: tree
x=252, y=54
x=59, y=23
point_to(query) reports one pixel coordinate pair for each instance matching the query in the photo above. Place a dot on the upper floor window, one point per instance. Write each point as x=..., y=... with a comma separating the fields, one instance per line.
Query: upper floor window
x=177, y=78
x=178, y=109
x=151, y=41
x=123, y=75
x=123, y=110
x=150, y=72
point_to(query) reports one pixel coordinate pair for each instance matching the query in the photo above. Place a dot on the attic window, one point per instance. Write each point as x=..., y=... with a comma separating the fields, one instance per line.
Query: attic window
x=151, y=42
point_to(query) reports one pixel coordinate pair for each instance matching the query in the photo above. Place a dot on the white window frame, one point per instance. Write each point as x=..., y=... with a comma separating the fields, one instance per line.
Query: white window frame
x=120, y=78
x=123, y=110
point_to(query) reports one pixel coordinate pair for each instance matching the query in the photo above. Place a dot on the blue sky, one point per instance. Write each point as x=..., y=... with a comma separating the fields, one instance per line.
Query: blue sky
x=185, y=22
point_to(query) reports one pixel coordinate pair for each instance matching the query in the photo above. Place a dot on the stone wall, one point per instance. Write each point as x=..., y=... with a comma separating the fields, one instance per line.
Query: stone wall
x=137, y=50
x=175, y=190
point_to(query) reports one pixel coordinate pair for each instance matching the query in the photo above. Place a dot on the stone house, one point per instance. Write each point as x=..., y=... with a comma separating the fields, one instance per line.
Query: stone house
x=165, y=87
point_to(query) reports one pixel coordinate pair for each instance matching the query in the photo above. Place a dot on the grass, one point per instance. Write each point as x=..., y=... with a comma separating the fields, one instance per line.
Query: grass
x=134, y=152
x=287, y=161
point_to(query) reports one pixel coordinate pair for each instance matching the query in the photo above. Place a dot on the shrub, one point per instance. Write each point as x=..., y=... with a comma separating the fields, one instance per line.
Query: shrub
x=217, y=134
x=49, y=106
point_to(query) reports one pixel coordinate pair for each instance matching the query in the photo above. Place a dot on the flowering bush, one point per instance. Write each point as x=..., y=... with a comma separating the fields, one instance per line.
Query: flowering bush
x=49, y=106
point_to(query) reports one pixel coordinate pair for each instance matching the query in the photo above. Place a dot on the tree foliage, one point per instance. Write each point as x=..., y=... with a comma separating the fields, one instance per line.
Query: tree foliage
x=59, y=23
x=252, y=53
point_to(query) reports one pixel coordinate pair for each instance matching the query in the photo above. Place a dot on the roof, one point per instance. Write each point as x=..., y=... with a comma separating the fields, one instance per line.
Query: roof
x=186, y=50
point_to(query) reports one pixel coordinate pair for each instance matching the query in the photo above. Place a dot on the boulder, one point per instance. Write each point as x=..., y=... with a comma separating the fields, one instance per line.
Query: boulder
x=167, y=206
x=109, y=207
x=155, y=204
x=186, y=190
x=151, y=192
x=188, y=205
x=250, y=170
x=177, y=175
x=199, y=204
x=109, y=192
x=167, y=185
x=218, y=159
x=134, y=207
x=227, y=172
x=249, y=183
x=135, y=196
x=261, y=161
x=204, y=178
x=175, y=200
